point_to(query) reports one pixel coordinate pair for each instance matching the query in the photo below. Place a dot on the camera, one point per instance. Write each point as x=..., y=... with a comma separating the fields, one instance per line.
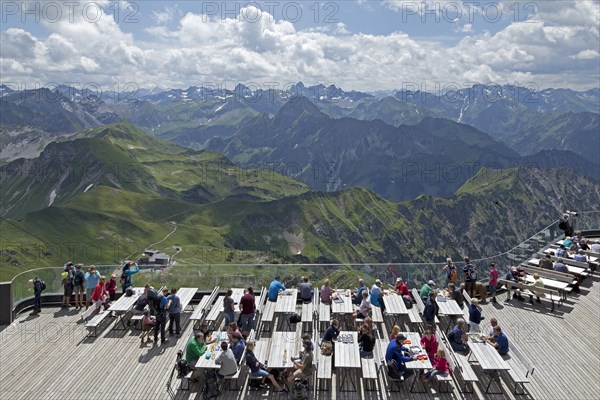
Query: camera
x=571, y=213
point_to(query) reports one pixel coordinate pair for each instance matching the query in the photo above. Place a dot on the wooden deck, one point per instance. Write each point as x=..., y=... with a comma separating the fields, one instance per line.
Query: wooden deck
x=49, y=357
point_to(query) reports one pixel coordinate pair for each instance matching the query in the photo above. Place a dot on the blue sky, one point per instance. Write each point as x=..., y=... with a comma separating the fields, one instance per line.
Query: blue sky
x=362, y=45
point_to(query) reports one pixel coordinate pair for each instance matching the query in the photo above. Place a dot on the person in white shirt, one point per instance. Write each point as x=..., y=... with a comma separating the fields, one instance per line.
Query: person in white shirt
x=227, y=362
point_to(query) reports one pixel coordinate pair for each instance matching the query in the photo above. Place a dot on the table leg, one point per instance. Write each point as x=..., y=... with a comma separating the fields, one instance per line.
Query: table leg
x=417, y=374
x=494, y=377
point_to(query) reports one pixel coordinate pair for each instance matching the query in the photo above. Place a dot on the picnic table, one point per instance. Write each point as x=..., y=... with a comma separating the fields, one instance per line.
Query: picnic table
x=286, y=304
x=213, y=351
x=185, y=296
x=549, y=283
x=451, y=309
x=345, y=305
x=283, y=346
x=123, y=305
x=347, y=357
x=490, y=361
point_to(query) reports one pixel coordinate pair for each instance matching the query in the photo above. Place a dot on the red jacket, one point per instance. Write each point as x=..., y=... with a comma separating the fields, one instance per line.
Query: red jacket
x=430, y=346
x=111, y=286
x=99, y=292
x=441, y=364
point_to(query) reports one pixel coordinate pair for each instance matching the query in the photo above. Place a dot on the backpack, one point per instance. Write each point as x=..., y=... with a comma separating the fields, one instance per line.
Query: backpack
x=407, y=302
x=39, y=285
x=453, y=274
x=472, y=273
x=153, y=302
x=79, y=277
x=562, y=224
x=393, y=370
x=300, y=389
x=123, y=279
x=211, y=386
x=295, y=318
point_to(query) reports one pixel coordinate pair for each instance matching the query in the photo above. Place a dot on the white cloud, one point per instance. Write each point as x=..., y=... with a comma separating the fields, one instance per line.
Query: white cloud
x=199, y=50
x=586, y=55
x=165, y=16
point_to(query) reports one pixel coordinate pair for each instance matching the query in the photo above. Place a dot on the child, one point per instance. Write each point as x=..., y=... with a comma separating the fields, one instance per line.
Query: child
x=440, y=366
x=147, y=324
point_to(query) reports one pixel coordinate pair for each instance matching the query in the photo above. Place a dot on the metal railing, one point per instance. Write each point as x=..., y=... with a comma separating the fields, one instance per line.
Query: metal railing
x=206, y=277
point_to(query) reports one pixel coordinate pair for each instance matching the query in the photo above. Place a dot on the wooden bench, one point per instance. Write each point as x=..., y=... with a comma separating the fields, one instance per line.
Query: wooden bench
x=550, y=294
x=445, y=379
x=549, y=273
x=369, y=373
x=267, y=316
x=461, y=361
x=568, y=261
x=136, y=319
x=215, y=313
x=201, y=309
x=381, y=348
x=323, y=371
x=93, y=324
x=520, y=367
x=236, y=377
x=324, y=315
x=308, y=310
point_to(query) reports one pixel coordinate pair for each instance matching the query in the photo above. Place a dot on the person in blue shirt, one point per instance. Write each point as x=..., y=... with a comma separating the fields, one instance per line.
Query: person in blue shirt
x=174, y=308
x=92, y=278
x=377, y=295
x=237, y=346
x=580, y=256
x=274, y=288
x=332, y=332
x=501, y=341
x=161, y=318
x=562, y=252
x=126, y=275
x=396, y=351
x=357, y=295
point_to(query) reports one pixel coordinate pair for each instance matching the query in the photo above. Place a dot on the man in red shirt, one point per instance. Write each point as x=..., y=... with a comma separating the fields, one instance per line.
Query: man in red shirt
x=493, y=281
x=247, y=308
x=401, y=288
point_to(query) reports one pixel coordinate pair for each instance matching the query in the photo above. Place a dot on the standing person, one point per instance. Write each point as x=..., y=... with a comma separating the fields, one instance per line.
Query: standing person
x=470, y=277
x=78, y=286
x=429, y=343
x=357, y=295
x=92, y=278
x=228, y=307
x=565, y=225
x=274, y=287
x=306, y=290
x=431, y=310
x=147, y=324
x=227, y=362
x=174, y=308
x=377, y=295
x=111, y=287
x=493, y=281
x=248, y=310
x=450, y=270
x=126, y=275
x=326, y=292
x=161, y=317
x=475, y=317
x=38, y=288
x=67, y=281
x=98, y=297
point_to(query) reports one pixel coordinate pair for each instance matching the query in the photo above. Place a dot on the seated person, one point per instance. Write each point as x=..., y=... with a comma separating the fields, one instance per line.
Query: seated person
x=364, y=308
x=426, y=289
x=537, y=283
x=332, y=331
x=357, y=295
x=227, y=362
x=371, y=325
x=377, y=295
x=237, y=346
x=394, y=332
x=458, y=336
x=231, y=329
x=456, y=295
x=326, y=292
x=560, y=266
x=208, y=339
x=399, y=354
x=513, y=275
x=366, y=341
x=302, y=365
x=500, y=341
x=257, y=369
x=305, y=290
x=546, y=262
x=493, y=324
x=580, y=256
x=195, y=348
x=439, y=364
x=562, y=252
x=429, y=343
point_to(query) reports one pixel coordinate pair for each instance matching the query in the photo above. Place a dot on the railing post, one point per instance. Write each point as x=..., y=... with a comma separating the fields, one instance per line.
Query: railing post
x=6, y=303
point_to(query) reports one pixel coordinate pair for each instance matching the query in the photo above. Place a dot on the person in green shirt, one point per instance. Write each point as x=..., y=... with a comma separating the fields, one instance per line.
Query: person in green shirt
x=426, y=289
x=195, y=348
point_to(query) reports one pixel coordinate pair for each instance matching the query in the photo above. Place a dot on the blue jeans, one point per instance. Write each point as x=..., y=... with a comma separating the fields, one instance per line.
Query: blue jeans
x=229, y=317
x=37, y=301
x=247, y=322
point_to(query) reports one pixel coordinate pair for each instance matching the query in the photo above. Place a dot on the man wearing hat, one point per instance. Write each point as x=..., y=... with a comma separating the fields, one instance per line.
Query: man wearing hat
x=426, y=289
x=274, y=288
x=397, y=352
x=401, y=287
x=377, y=295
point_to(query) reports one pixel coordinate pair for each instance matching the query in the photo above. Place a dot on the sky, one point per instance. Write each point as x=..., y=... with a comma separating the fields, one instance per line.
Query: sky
x=366, y=45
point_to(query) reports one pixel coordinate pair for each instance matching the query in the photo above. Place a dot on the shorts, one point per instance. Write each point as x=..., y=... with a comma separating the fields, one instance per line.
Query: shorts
x=88, y=293
x=68, y=289
x=78, y=289
x=261, y=373
x=98, y=303
x=147, y=327
x=360, y=315
x=493, y=289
